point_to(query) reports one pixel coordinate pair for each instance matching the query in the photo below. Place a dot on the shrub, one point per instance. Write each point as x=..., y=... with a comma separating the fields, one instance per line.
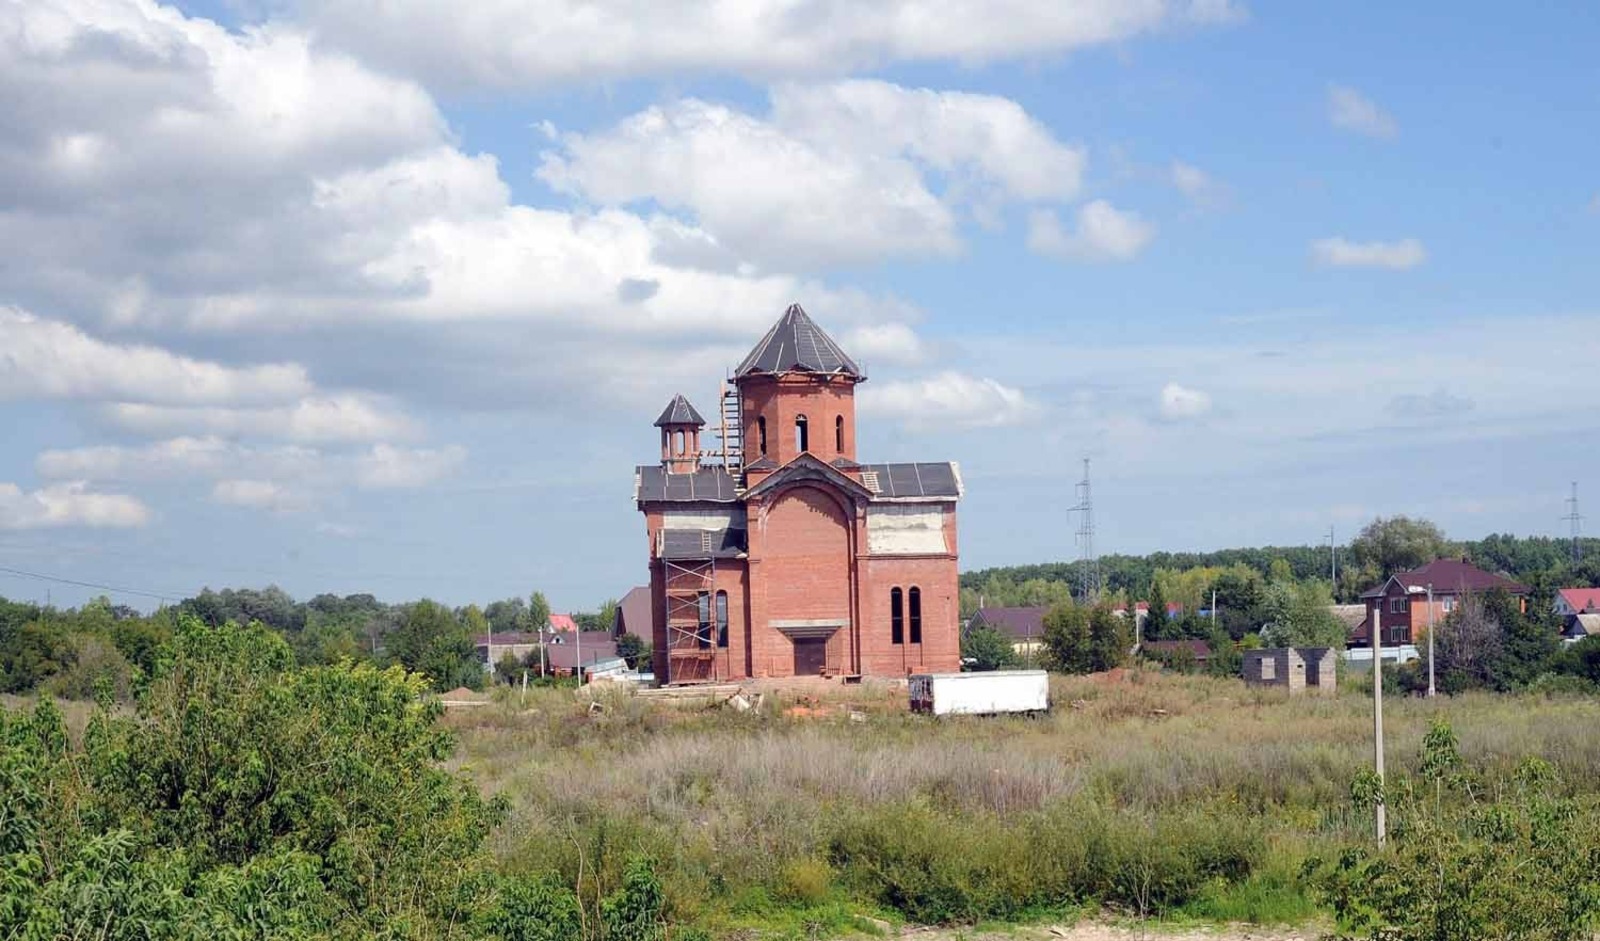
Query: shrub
x=534, y=909
x=1508, y=862
x=634, y=911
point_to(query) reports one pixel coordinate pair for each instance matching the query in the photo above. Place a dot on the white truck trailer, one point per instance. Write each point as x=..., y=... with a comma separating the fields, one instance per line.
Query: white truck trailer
x=994, y=692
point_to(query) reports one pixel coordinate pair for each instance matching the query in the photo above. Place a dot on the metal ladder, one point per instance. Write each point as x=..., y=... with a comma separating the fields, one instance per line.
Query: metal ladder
x=732, y=431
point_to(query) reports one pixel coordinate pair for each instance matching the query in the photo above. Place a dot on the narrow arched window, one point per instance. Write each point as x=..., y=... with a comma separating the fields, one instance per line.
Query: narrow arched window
x=916, y=615
x=703, y=633
x=761, y=434
x=802, y=436
x=838, y=434
x=677, y=442
x=897, y=616
x=722, y=619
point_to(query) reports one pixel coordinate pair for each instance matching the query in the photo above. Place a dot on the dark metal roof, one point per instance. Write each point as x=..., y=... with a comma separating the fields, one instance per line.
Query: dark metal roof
x=796, y=344
x=706, y=485
x=1449, y=577
x=702, y=543
x=679, y=412
x=912, y=480
x=1023, y=623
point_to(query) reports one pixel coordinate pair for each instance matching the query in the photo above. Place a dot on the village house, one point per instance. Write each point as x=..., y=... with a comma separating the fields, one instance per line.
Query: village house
x=555, y=652
x=1579, y=610
x=1399, y=606
x=1023, y=626
x=776, y=552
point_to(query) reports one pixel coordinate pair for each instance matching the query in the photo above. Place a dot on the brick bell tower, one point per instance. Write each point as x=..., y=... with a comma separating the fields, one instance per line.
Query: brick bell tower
x=797, y=395
x=680, y=428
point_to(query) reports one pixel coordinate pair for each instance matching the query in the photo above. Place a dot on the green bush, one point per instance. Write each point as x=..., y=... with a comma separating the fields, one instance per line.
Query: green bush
x=534, y=909
x=937, y=868
x=1508, y=860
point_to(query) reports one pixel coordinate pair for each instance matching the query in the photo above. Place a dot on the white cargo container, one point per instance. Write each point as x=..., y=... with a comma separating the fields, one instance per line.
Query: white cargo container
x=980, y=694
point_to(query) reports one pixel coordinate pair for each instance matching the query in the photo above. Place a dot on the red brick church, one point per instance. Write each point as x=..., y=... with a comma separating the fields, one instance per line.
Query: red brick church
x=774, y=552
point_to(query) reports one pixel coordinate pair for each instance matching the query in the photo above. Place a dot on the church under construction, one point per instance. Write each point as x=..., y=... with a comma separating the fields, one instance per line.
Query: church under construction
x=775, y=552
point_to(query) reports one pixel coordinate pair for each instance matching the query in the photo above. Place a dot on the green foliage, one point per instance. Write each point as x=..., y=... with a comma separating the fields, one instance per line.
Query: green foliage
x=635, y=911
x=633, y=649
x=1085, y=640
x=241, y=798
x=1066, y=639
x=432, y=641
x=988, y=649
x=1514, y=861
x=538, y=612
x=534, y=909
x=1156, y=621
x=1397, y=544
x=938, y=870
x=1297, y=615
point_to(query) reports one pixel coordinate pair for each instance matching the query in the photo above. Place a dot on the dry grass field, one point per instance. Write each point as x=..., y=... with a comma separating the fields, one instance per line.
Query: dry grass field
x=1145, y=796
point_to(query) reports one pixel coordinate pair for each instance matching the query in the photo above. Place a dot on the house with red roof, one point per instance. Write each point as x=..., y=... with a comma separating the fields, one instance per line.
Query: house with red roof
x=1399, y=606
x=1573, y=601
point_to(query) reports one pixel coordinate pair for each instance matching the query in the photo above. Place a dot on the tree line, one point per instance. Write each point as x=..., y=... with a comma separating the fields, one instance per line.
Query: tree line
x=101, y=647
x=1383, y=547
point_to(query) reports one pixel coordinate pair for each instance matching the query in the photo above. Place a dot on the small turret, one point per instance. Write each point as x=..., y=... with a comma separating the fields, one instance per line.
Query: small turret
x=680, y=428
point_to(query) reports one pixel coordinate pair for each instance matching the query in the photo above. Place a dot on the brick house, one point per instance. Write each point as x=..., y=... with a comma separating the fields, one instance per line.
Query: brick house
x=776, y=553
x=1402, y=614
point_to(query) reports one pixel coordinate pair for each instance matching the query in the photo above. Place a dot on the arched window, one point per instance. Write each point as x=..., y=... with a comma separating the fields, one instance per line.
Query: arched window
x=802, y=436
x=722, y=619
x=703, y=633
x=916, y=615
x=838, y=434
x=897, y=616
x=677, y=442
x=761, y=434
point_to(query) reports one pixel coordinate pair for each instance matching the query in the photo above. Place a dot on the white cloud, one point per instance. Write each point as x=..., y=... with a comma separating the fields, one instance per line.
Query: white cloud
x=177, y=459
x=837, y=173
x=894, y=343
x=948, y=399
x=339, y=417
x=42, y=359
x=1179, y=403
x=1104, y=234
x=1197, y=185
x=1340, y=252
x=68, y=504
x=259, y=495
x=1350, y=110
x=545, y=42
x=388, y=467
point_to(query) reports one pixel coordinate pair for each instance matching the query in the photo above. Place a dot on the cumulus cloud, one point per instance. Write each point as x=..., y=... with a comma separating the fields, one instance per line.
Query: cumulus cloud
x=1179, y=403
x=46, y=359
x=894, y=343
x=836, y=173
x=587, y=41
x=1197, y=185
x=345, y=417
x=948, y=399
x=280, y=478
x=1104, y=234
x=258, y=495
x=388, y=467
x=68, y=504
x=1340, y=252
x=1350, y=110
x=265, y=182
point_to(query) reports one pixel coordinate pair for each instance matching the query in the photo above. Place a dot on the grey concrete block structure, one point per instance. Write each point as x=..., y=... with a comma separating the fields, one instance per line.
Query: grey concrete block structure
x=1294, y=668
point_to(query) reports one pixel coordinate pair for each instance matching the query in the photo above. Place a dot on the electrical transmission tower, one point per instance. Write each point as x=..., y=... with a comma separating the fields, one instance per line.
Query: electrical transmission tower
x=1089, y=563
x=1575, y=520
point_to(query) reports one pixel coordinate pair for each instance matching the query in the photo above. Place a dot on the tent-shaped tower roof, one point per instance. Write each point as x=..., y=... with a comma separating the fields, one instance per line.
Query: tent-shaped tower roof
x=679, y=412
x=796, y=344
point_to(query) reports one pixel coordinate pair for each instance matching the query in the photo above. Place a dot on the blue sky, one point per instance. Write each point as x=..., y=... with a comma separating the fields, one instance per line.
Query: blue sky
x=352, y=296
